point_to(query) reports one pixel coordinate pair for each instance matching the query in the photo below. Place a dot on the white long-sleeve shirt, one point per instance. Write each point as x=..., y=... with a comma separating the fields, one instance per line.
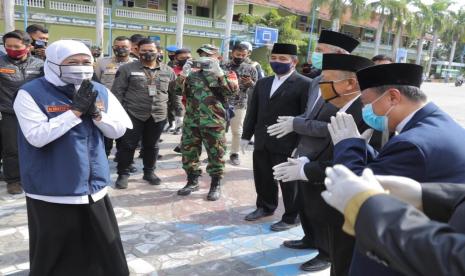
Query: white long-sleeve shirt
x=39, y=131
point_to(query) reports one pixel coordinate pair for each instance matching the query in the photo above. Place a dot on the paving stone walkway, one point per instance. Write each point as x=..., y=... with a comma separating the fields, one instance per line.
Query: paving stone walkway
x=165, y=234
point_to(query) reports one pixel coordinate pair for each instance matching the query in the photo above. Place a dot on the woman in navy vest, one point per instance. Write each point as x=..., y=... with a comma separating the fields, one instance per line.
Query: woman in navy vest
x=64, y=118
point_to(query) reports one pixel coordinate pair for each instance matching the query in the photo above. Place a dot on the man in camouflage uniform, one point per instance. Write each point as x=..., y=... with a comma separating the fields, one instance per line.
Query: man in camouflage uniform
x=106, y=68
x=205, y=89
x=247, y=76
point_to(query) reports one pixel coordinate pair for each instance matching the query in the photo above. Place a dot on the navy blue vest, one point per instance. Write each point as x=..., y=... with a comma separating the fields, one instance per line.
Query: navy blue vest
x=75, y=164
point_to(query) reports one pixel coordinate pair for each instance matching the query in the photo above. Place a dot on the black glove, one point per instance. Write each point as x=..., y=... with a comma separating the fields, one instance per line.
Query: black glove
x=94, y=112
x=84, y=98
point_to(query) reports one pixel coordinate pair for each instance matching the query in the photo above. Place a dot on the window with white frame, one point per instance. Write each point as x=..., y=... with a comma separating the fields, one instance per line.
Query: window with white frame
x=189, y=8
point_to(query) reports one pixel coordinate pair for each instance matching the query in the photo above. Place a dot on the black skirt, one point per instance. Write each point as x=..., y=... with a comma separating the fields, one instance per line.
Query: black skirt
x=74, y=239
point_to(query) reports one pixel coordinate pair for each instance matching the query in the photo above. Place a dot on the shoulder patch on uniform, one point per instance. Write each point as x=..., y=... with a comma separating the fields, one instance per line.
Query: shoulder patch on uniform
x=58, y=108
x=7, y=70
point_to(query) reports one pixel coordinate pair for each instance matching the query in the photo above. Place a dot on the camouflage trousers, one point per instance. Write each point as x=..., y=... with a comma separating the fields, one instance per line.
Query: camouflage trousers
x=214, y=141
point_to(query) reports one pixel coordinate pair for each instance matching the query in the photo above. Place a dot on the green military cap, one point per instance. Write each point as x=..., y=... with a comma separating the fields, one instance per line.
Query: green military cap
x=208, y=48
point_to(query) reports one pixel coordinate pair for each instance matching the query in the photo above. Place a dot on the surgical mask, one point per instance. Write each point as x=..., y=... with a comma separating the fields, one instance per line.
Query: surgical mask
x=377, y=122
x=329, y=92
x=121, y=52
x=317, y=60
x=148, y=56
x=238, y=61
x=75, y=74
x=17, y=54
x=280, y=68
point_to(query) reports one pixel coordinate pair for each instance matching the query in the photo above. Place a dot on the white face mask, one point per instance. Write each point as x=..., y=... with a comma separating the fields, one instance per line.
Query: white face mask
x=75, y=74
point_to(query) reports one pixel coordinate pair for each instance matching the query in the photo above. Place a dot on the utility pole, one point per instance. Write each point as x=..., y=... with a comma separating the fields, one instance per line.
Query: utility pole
x=9, y=15
x=180, y=23
x=227, y=31
x=99, y=23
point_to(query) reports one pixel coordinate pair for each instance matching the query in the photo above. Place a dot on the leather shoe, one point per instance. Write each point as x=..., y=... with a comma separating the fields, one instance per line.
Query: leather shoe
x=258, y=214
x=315, y=264
x=152, y=178
x=282, y=226
x=14, y=188
x=122, y=181
x=132, y=168
x=297, y=244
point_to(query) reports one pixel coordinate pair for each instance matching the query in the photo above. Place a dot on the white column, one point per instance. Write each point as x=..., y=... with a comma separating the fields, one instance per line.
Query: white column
x=227, y=31
x=99, y=23
x=180, y=23
x=9, y=15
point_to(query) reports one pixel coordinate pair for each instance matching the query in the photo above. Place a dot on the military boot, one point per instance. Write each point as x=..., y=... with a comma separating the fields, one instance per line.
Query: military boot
x=215, y=189
x=191, y=186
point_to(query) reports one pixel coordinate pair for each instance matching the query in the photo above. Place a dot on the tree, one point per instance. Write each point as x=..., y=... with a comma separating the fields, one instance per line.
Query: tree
x=424, y=20
x=286, y=28
x=439, y=17
x=386, y=11
x=337, y=8
x=402, y=16
x=285, y=24
x=455, y=26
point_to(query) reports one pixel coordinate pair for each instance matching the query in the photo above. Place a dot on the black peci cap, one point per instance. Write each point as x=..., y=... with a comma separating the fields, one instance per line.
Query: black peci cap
x=284, y=49
x=338, y=39
x=390, y=74
x=343, y=62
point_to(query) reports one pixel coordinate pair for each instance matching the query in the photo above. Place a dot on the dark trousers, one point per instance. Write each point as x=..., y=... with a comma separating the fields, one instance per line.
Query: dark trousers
x=333, y=244
x=305, y=220
x=9, y=133
x=267, y=187
x=74, y=239
x=109, y=145
x=149, y=131
x=1, y=145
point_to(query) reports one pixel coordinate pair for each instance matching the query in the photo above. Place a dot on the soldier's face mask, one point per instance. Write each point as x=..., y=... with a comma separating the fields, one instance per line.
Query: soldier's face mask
x=148, y=56
x=121, y=52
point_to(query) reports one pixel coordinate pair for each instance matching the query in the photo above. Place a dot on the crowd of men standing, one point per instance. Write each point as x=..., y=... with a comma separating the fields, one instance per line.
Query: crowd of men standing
x=334, y=144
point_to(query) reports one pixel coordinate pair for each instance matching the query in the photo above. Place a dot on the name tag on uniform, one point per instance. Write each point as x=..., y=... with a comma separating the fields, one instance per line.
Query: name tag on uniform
x=7, y=70
x=137, y=74
x=110, y=71
x=33, y=72
x=152, y=89
x=58, y=108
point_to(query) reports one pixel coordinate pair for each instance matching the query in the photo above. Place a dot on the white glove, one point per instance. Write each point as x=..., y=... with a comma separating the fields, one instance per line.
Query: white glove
x=404, y=188
x=215, y=68
x=187, y=68
x=290, y=170
x=178, y=121
x=344, y=127
x=283, y=127
x=342, y=185
x=244, y=145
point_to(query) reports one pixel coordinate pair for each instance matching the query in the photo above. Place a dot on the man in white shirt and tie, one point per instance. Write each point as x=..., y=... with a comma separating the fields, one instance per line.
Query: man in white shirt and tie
x=284, y=94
